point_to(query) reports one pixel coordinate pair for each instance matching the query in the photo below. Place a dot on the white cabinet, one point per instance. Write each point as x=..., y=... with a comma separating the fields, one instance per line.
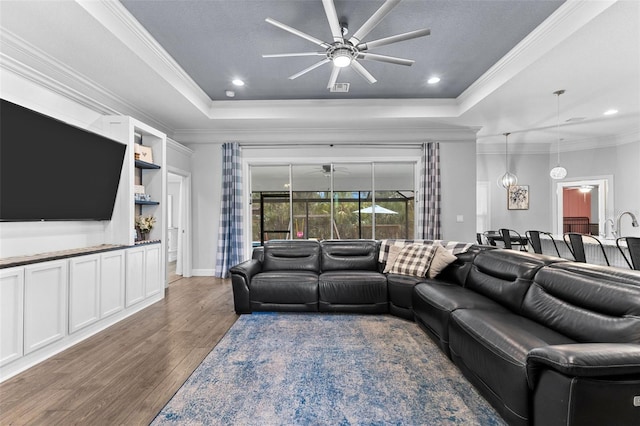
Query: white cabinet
x=84, y=291
x=145, y=275
x=135, y=276
x=153, y=277
x=48, y=306
x=112, y=282
x=11, y=314
x=45, y=304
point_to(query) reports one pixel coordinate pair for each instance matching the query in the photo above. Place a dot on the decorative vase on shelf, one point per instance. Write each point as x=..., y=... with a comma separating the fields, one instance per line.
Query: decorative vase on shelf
x=144, y=236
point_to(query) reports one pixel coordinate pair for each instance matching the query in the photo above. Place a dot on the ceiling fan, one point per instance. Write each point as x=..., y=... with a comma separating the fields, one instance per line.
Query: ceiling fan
x=326, y=169
x=344, y=52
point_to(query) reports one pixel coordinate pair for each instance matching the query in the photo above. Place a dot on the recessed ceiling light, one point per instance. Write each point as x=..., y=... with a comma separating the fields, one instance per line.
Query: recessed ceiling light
x=230, y=93
x=433, y=80
x=237, y=82
x=611, y=112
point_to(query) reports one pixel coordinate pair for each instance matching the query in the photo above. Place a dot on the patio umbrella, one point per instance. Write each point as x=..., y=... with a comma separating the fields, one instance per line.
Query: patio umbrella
x=378, y=209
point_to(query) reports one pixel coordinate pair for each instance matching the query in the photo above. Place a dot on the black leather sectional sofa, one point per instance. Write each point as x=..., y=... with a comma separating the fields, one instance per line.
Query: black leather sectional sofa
x=546, y=341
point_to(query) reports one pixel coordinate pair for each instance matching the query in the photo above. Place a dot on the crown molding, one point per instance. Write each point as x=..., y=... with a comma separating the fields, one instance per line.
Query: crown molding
x=597, y=142
x=307, y=135
x=566, y=20
x=177, y=146
x=27, y=61
x=492, y=148
x=117, y=19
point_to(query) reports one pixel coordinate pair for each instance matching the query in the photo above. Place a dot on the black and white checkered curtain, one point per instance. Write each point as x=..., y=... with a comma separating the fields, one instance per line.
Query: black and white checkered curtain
x=428, y=213
x=230, y=239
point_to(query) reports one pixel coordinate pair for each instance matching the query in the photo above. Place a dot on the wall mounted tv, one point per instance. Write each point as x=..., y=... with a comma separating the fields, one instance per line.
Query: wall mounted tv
x=50, y=170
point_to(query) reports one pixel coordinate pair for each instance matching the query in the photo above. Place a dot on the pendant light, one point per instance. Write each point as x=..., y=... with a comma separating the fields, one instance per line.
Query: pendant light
x=558, y=172
x=508, y=179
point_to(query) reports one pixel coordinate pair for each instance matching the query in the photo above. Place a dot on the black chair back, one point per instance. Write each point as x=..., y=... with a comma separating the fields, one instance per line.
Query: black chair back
x=506, y=237
x=534, y=240
x=575, y=244
x=512, y=238
x=633, y=244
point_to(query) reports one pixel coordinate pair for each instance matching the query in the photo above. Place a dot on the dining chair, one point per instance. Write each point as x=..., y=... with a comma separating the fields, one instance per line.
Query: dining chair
x=575, y=244
x=536, y=244
x=633, y=245
x=512, y=238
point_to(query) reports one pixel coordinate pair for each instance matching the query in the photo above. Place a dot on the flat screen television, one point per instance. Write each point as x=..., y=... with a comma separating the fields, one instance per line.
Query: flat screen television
x=50, y=170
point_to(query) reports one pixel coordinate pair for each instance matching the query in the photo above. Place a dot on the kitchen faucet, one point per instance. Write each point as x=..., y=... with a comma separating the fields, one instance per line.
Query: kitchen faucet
x=634, y=221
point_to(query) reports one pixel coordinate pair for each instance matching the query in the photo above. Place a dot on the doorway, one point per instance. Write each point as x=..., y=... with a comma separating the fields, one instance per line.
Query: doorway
x=592, y=205
x=178, y=225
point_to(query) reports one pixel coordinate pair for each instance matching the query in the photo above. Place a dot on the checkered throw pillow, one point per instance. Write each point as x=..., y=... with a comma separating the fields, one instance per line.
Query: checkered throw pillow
x=414, y=259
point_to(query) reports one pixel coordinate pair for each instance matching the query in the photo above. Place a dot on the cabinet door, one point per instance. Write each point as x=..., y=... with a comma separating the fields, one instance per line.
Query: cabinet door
x=112, y=283
x=84, y=291
x=11, y=314
x=134, y=281
x=45, y=304
x=153, y=272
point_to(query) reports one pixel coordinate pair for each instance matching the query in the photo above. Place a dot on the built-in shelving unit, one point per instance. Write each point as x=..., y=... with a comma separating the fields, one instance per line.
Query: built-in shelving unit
x=151, y=175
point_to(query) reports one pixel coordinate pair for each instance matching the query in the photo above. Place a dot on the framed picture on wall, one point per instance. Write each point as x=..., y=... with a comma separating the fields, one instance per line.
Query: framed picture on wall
x=518, y=197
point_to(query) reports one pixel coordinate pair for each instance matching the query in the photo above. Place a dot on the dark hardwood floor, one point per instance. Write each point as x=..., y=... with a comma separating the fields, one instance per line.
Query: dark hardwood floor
x=125, y=374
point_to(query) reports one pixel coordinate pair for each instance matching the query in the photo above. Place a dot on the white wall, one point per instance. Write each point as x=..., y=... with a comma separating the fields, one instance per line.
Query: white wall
x=532, y=170
x=458, y=183
x=206, y=189
x=620, y=161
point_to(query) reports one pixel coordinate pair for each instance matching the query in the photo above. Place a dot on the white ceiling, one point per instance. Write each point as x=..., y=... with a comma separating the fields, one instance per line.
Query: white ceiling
x=97, y=52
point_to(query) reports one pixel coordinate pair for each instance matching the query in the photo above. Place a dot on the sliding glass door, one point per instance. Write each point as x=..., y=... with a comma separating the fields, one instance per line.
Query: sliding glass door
x=338, y=200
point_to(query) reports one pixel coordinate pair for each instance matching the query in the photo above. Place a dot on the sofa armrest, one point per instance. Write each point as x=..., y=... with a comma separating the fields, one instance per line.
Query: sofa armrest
x=584, y=360
x=241, y=275
x=247, y=269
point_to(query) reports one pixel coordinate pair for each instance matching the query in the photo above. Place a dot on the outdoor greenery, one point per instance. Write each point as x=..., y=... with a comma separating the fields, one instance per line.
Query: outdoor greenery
x=312, y=215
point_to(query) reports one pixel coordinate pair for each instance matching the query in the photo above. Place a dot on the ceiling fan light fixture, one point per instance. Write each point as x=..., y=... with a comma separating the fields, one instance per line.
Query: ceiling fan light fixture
x=341, y=57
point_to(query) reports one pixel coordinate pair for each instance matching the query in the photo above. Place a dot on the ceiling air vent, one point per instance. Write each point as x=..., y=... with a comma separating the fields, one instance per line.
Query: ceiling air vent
x=340, y=88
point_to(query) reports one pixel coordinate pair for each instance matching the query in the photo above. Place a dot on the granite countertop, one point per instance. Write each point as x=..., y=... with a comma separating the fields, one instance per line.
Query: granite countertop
x=9, y=262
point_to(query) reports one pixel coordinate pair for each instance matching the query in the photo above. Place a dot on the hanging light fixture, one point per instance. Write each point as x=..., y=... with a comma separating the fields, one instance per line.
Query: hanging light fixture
x=508, y=179
x=558, y=172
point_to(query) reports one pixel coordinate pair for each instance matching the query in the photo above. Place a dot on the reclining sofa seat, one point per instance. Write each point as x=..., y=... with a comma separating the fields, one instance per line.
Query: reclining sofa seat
x=285, y=279
x=495, y=280
x=597, y=380
x=350, y=281
x=521, y=319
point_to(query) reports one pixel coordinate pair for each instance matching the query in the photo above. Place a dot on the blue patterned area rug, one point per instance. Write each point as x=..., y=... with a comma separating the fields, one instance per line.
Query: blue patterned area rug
x=326, y=369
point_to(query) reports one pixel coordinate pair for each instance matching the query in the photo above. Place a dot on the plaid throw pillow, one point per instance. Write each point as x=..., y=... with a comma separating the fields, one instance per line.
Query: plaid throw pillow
x=414, y=259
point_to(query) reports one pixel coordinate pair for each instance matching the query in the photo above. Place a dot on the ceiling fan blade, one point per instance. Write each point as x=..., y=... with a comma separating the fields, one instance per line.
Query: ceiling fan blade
x=334, y=77
x=363, y=72
x=384, y=58
x=288, y=55
x=332, y=17
x=299, y=33
x=394, y=39
x=312, y=67
x=374, y=20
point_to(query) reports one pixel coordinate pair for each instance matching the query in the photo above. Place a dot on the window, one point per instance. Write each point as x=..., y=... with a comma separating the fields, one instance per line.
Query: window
x=338, y=200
